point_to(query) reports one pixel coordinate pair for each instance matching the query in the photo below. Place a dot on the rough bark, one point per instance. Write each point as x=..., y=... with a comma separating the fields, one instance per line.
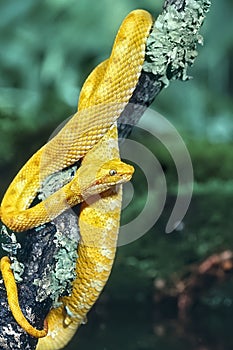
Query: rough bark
x=39, y=249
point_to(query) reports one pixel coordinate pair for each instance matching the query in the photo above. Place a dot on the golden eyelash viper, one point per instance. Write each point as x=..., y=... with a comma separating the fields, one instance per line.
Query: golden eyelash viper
x=12, y=297
x=104, y=95
x=89, y=180
x=99, y=223
x=111, y=172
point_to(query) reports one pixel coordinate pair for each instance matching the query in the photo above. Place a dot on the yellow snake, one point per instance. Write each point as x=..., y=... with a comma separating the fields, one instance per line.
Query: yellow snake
x=89, y=180
x=12, y=297
x=94, y=245
x=104, y=96
x=99, y=223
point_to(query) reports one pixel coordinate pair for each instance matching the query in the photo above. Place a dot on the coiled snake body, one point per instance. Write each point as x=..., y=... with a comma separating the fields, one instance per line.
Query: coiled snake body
x=91, y=135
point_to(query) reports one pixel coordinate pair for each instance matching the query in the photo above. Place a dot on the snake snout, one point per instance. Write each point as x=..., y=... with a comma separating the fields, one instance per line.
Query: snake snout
x=128, y=173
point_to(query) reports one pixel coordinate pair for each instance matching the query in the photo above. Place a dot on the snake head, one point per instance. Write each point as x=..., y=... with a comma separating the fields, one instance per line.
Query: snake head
x=114, y=172
x=102, y=177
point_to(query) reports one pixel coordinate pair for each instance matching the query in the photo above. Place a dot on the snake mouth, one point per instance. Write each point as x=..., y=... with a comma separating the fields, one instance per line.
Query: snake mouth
x=127, y=177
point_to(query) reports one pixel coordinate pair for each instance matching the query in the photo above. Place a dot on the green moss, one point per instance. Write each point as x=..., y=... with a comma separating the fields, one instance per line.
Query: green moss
x=57, y=282
x=10, y=245
x=18, y=269
x=55, y=181
x=171, y=46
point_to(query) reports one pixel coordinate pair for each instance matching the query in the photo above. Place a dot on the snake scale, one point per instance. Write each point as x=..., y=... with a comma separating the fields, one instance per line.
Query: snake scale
x=90, y=135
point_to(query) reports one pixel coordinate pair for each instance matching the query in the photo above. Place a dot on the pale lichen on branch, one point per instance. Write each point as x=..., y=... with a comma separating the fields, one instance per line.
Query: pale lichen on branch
x=172, y=44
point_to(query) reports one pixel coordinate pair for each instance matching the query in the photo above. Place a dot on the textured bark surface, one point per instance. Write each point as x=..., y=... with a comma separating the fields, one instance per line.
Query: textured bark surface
x=179, y=4
x=39, y=247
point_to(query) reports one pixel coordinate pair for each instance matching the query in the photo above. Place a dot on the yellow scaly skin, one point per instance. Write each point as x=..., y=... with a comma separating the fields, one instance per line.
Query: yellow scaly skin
x=99, y=224
x=12, y=296
x=109, y=173
x=104, y=95
x=89, y=180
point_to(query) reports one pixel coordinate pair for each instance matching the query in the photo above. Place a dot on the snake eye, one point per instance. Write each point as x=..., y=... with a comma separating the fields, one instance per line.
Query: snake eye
x=112, y=172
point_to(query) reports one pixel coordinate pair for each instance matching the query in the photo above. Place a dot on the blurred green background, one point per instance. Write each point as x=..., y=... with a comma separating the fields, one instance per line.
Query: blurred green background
x=47, y=49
